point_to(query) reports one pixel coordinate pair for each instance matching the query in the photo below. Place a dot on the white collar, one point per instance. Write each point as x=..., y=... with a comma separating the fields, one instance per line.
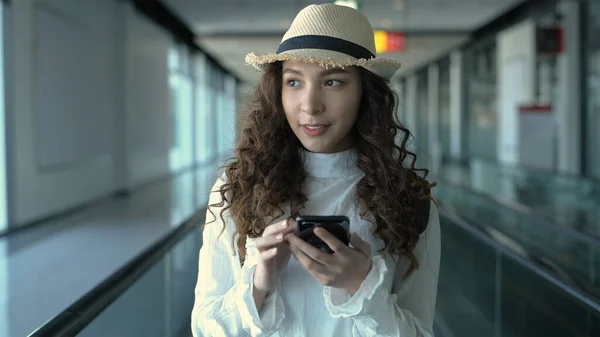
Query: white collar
x=329, y=165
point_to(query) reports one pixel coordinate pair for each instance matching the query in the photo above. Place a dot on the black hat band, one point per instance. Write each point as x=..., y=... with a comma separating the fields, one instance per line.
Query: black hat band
x=326, y=43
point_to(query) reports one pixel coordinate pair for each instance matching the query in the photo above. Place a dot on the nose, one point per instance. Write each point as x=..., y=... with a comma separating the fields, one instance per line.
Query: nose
x=312, y=102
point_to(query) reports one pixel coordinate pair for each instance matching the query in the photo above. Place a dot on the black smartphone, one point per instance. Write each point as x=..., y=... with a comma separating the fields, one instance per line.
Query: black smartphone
x=337, y=225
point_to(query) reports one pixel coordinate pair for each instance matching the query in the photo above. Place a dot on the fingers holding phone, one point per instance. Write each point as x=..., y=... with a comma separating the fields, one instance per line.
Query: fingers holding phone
x=323, y=250
x=273, y=254
x=272, y=238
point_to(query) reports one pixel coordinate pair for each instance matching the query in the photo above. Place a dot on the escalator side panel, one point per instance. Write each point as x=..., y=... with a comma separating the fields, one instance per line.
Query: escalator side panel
x=485, y=292
x=159, y=303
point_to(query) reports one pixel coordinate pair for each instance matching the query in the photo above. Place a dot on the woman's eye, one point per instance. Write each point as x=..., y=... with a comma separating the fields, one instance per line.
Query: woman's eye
x=293, y=83
x=333, y=83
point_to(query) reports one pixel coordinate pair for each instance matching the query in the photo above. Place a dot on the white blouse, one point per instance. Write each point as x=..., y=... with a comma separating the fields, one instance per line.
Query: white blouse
x=383, y=306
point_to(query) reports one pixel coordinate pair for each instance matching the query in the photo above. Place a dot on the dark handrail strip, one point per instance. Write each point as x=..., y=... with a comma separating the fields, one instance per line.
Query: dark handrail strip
x=572, y=289
x=76, y=317
x=526, y=211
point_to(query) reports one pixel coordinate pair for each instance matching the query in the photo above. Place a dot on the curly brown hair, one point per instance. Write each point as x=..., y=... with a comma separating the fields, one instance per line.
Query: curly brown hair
x=267, y=169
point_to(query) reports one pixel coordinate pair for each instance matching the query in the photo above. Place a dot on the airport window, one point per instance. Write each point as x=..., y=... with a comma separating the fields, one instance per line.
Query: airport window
x=594, y=88
x=3, y=194
x=225, y=114
x=444, y=106
x=5, y=288
x=422, y=129
x=204, y=110
x=481, y=97
x=402, y=102
x=230, y=103
x=547, y=60
x=180, y=82
x=215, y=111
x=400, y=89
x=221, y=111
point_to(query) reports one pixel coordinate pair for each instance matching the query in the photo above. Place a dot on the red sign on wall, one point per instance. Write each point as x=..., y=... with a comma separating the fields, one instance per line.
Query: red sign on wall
x=526, y=109
x=396, y=41
x=386, y=42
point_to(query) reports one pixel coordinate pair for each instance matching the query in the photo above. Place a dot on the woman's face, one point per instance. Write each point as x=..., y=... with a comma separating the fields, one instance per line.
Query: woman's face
x=321, y=105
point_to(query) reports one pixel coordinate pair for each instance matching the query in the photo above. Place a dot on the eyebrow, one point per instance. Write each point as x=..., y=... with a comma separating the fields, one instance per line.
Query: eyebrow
x=321, y=73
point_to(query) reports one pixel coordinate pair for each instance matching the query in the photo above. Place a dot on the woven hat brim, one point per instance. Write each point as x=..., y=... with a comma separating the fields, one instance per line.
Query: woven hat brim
x=382, y=67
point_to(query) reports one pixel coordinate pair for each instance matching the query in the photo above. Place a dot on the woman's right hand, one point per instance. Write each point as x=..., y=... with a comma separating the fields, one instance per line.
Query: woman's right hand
x=274, y=255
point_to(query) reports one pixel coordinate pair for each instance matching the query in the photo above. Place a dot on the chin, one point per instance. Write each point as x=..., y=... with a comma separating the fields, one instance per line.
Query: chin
x=312, y=146
x=317, y=147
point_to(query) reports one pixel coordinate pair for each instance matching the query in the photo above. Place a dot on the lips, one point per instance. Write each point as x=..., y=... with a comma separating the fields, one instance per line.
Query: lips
x=314, y=129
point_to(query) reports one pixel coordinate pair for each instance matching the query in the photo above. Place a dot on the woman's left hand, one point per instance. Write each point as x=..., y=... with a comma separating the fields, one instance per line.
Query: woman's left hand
x=346, y=268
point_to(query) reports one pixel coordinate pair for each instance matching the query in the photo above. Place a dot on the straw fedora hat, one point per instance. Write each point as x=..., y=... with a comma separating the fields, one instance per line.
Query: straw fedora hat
x=331, y=36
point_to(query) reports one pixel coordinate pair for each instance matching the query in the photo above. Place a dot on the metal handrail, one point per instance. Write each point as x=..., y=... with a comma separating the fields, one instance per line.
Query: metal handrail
x=532, y=262
x=80, y=314
x=526, y=169
x=528, y=212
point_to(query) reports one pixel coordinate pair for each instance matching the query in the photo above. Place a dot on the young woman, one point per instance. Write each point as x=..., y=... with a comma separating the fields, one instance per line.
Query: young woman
x=322, y=138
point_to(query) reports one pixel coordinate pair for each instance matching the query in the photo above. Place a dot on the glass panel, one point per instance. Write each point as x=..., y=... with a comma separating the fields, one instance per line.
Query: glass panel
x=422, y=129
x=569, y=201
x=403, y=102
x=226, y=113
x=213, y=86
x=481, y=101
x=444, y=97
x=223, y=113
x=4, y=279
x=205, y=145
x=594, y=87
x=184, y=121
x=3, y=191
x=160, y=302
x=466, y=285
x=181, y=101
x=573, y=255
x=231, y=113
x=532, y=306
x=548, y=82
x=174, y=59
x=485, y=292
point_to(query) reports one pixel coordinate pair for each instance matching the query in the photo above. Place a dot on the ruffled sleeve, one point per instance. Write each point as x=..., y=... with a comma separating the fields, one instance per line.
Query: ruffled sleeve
x=408, y=310
x=224, y=305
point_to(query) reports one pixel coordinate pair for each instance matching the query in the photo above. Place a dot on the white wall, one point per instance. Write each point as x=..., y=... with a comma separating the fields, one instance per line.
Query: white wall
x=516, y=83
x=61, y=125
x=150, y=121
x=92, y=109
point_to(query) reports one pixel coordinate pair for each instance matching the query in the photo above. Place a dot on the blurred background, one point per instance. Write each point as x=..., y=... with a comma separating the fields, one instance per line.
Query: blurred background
x=116, y=115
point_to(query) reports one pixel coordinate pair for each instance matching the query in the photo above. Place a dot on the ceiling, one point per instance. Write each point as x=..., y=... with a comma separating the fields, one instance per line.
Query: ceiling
x=229, y=29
